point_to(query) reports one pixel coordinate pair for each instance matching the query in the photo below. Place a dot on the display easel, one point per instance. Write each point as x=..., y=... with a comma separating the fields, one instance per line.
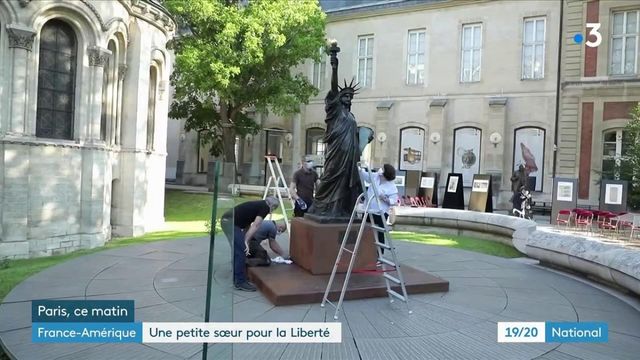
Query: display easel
x=481, y=197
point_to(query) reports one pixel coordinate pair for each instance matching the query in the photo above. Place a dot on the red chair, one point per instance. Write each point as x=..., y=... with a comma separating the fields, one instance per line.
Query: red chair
x=584, y=218
x=600, y=218
x=609, y=221
x=635, y=226
x=564, y=217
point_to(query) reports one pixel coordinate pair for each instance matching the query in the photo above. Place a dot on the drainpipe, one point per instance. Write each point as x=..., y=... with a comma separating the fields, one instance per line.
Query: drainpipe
x=555, y=130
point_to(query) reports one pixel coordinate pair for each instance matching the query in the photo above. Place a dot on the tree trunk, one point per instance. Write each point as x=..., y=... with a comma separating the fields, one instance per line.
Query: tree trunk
x=228, y=143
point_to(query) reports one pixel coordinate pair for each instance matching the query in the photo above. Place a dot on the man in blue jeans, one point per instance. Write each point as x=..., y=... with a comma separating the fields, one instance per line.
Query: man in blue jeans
x=241, y=224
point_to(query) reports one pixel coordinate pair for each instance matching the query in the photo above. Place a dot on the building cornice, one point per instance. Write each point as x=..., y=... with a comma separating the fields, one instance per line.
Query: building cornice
x=151, y=12
x=359, y=13
x=602, y=83
x=99, y=146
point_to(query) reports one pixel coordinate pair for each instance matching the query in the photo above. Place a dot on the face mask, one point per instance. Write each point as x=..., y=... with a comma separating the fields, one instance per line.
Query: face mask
x=308, y=165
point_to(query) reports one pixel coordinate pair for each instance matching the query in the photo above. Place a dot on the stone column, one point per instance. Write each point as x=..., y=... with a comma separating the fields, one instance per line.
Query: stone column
x=98, y=58
x=435, y=136
x=21, y=40
x=497, y=159
x=297, y=143
x=383, y=124
x=122, y=72
x=93, y=179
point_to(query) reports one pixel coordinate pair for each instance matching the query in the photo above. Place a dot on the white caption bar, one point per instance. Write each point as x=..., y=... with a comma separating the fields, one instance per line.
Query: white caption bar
x=241, y=332
x=521, y=332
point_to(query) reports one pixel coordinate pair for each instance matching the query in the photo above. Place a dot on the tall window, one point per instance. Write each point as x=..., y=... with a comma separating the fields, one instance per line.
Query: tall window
x=614, y=145
x=624, y=42
x=319, y=71
x=275, y=142
x=56, y=81
x=416, y=57
x=315, y=144
x=528, y=150
x=533, y=48
x=471, y=56
x=365, y=60
x=151, y=115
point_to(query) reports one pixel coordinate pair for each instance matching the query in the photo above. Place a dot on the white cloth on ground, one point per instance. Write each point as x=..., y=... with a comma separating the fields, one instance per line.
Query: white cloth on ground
x=281, y=260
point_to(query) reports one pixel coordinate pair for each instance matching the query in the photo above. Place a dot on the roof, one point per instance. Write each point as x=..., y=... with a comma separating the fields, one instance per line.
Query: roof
x=350, y=6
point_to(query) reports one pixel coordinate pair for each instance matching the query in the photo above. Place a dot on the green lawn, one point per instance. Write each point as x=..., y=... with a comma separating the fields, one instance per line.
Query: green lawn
x=186, y=216
x=460, y=242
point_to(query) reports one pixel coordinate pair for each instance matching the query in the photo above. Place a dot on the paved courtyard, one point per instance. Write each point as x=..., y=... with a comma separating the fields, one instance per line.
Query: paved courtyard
x=167, y=280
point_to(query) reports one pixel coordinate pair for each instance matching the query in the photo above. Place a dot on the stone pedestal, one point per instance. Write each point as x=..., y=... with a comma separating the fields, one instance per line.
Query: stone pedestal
x=314, y=246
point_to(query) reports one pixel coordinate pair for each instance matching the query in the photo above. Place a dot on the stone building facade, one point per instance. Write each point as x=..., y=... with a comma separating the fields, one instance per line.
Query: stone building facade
x=441, y=80
x=600, y=85
x=83, y=119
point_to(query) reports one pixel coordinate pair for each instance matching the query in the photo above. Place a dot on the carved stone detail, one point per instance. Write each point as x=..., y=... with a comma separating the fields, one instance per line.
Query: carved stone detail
x=24, y=3
x=122, y=71
x=98, y=56
x=96, y=13
x=20, y=37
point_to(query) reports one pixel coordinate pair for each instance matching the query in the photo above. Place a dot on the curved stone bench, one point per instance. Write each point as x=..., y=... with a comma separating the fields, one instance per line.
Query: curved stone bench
x=509, y=230
x=613, y=264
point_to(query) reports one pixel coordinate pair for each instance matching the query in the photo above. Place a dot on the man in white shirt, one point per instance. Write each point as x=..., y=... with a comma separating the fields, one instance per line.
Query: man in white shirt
x=387, y=193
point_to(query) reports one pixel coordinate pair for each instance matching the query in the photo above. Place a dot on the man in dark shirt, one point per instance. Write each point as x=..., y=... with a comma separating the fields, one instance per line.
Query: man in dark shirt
x=302, y=187
x=258, y=256
x=240, y=225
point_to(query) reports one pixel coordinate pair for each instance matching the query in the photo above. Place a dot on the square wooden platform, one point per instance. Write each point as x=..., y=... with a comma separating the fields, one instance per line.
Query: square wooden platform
x=290, y=285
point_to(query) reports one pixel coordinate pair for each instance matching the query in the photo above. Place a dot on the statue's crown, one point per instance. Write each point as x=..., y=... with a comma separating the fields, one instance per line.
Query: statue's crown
x=352, y=88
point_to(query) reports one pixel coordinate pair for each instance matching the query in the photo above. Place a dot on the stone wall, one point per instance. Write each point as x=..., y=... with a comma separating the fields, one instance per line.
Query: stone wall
x=107, y=178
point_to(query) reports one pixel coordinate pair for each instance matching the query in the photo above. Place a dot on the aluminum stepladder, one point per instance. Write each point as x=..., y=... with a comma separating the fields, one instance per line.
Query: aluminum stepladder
x=275, y=178
x=387, y=245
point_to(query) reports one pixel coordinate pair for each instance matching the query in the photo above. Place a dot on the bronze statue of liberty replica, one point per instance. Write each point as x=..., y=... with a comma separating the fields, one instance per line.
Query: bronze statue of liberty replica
x=340, y=181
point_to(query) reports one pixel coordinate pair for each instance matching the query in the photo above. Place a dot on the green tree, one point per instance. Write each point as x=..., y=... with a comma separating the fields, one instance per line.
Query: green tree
x=234, y=55
x=629, y=168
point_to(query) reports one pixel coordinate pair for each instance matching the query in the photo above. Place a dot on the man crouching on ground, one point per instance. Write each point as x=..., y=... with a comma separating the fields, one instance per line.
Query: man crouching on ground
x=258, y=255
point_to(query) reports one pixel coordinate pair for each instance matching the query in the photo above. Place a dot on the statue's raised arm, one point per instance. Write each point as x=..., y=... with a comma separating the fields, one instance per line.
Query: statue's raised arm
x=333, y=53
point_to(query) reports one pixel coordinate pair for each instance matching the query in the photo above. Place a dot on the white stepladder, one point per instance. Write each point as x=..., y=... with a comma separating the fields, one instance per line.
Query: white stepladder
x=387, y=245
x=275, y=178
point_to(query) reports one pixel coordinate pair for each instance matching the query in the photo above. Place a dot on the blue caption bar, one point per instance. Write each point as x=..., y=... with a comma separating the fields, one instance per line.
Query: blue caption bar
x=74, y=311
x=86, y=333
x=566, y=332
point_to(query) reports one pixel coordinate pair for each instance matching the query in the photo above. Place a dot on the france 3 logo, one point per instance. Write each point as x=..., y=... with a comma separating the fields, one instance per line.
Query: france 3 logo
x=594, y=31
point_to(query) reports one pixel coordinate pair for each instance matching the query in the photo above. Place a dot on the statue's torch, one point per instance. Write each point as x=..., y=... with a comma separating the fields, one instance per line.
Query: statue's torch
x=333, y=50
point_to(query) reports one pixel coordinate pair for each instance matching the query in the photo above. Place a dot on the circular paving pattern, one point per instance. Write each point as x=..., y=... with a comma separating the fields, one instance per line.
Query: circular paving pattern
x=167, y=280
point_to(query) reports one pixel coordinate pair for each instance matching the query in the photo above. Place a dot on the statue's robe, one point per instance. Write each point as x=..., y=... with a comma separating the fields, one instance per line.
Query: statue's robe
x=340, y=181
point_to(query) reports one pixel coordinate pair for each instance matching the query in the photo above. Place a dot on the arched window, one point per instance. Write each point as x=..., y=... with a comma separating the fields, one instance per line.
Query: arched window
x=56, y=81
x=528, y=150
x=614, y=146
x=275, y=142
x=411, y=148
x=466, y=152
x=151, y=116
x=315, y=144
